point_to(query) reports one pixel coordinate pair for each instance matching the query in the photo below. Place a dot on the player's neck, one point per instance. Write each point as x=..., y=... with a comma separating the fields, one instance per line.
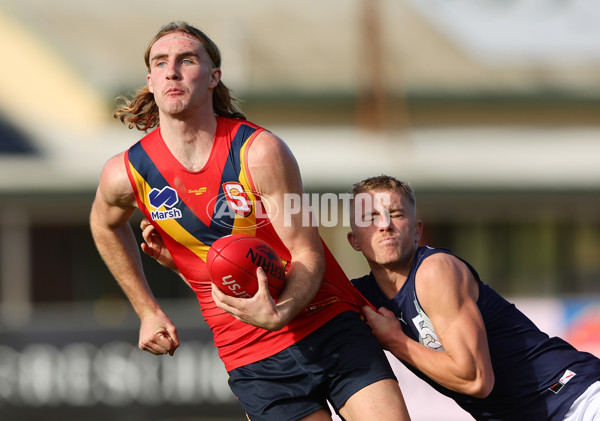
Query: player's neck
x=189, y=140
x=389, y=281
x=391, y=277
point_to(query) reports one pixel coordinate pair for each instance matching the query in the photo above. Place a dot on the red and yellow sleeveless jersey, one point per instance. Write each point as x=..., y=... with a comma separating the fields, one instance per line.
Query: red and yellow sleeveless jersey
x=193, y=209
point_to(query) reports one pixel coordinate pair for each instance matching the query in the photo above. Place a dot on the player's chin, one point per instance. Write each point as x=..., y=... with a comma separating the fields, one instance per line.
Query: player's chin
x=174, y=106
x=387, y=259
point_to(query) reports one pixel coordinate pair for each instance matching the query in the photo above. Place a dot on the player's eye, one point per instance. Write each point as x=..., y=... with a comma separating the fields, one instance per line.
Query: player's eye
x=370, y=217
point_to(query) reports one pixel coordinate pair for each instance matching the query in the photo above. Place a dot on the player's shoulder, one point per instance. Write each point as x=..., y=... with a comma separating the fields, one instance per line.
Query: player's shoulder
x=442, y=276
x=115, y=166
x=114, y=181
x=269, y=152
x=439, y=256
x=440, y=264
x=432, y=255
x=267, y=143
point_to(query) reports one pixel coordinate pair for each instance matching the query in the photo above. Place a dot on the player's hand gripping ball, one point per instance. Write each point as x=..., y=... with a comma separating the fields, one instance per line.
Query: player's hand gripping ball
x=232, y=262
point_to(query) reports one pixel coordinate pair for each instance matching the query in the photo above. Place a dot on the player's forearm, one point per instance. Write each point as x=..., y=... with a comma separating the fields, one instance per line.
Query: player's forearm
x=118, y=249
x=302, y=283
x=459, y=376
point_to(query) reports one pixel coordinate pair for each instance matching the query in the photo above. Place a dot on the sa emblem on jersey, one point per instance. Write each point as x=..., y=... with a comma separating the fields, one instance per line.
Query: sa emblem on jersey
x=237, y=198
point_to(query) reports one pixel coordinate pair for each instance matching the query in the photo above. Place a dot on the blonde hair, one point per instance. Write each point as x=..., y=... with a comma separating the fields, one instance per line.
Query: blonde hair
x=384, y=183
x=140, y=111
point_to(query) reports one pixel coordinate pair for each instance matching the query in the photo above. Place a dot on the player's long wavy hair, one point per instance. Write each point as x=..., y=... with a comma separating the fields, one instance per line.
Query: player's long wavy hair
x=141, y=111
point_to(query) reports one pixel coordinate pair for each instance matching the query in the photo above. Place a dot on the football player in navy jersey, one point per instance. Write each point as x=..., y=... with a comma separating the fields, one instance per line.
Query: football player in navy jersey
x=454, y=331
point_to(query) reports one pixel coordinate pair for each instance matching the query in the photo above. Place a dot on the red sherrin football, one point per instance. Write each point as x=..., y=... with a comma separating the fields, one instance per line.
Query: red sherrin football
x=232, y=262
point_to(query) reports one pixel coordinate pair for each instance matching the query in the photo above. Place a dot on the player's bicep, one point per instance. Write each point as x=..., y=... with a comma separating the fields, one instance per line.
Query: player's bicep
x=448, y=292
x=276, y=177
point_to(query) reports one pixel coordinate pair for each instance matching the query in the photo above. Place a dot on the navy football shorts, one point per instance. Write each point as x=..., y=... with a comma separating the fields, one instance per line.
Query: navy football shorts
x=332, y=363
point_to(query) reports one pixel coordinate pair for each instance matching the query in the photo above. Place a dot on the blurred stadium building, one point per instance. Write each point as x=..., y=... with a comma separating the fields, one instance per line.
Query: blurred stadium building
x=490, y=109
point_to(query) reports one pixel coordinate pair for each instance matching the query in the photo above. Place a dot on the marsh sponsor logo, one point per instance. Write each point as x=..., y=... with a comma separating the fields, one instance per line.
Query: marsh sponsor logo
x=168, y=214
x=166, y=197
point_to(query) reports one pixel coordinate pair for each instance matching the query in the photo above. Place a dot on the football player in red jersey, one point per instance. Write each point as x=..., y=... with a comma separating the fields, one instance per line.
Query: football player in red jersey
x=201, y=142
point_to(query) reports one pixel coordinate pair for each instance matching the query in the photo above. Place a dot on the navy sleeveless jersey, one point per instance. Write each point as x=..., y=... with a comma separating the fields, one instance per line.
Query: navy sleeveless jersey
x=536, y=377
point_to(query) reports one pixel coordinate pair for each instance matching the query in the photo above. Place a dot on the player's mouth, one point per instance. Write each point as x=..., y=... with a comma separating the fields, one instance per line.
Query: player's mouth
x=173, y=92
x=387, y=241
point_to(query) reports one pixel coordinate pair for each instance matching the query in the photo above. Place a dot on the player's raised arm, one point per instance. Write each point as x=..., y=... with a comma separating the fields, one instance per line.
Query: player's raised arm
x=113, y=205
x=275, y=173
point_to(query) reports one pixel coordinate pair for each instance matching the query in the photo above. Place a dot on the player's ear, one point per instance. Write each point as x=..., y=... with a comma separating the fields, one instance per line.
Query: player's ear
x=215, y=78
x=418, y=230
x=352, y=240
x=149, y=83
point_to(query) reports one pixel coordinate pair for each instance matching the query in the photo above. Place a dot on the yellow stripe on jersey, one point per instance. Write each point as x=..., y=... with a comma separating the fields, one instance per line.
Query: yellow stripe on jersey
x=170, y=226
x=246, y=225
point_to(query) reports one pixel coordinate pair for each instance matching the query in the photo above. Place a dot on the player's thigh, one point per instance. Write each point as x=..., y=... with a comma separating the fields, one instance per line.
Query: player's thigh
x=381, y=400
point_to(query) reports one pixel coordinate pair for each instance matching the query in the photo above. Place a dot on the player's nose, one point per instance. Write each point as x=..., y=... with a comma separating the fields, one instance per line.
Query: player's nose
x=173, y=72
